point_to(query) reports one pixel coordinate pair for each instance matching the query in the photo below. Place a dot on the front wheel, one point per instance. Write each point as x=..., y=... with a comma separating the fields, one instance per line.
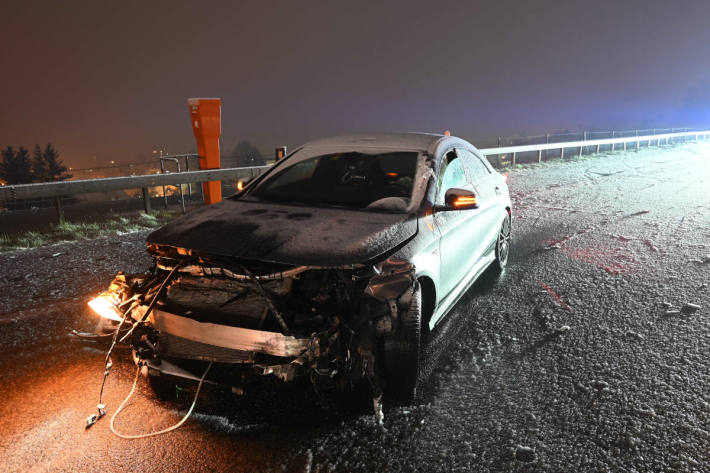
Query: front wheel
x=503, y=245
x=401, y=352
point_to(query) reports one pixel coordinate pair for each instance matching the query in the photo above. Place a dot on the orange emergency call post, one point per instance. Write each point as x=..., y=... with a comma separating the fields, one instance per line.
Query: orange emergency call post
x=205, y=115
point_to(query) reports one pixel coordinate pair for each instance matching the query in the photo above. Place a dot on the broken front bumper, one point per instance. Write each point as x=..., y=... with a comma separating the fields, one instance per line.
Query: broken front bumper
x=177, y=337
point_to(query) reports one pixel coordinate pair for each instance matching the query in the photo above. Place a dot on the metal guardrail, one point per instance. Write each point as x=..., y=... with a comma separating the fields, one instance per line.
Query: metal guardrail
x=63, y=188
x=581, y=144
x=56, y=190
x=175, y=158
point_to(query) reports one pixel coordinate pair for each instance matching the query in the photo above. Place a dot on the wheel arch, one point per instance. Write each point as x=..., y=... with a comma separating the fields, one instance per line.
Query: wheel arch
x=428, y=289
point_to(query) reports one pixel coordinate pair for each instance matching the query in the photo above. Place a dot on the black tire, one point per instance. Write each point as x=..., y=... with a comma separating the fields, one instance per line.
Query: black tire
x=502, y=245
x=402, y=351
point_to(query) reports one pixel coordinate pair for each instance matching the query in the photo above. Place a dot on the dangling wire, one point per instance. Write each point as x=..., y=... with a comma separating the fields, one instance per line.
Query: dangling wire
x=159, y=432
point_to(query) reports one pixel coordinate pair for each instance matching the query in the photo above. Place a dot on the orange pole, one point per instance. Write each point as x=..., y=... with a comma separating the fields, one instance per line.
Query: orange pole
x=205, y=115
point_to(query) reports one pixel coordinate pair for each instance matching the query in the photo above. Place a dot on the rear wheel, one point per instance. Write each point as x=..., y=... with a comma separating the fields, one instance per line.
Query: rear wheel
x=401, y=352
x=503, y=245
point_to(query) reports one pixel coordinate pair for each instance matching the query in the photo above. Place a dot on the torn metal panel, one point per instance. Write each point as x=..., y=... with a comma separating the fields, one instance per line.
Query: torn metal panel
x=170, y=369
x=236, y=338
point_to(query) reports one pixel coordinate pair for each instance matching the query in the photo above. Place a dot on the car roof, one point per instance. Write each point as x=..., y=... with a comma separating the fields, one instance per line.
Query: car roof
x=413, y=141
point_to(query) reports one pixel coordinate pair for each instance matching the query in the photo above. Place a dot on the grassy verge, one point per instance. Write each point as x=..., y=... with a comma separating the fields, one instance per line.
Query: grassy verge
x=70, y=231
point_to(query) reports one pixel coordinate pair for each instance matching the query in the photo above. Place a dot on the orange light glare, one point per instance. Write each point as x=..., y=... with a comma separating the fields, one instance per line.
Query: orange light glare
x=104, y=307
x=505, y=177
x=240, y=185
x=464, y=201
x=392, y=174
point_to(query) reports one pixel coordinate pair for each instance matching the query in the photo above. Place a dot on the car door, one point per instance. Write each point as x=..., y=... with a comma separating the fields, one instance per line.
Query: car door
x=486, y=186
x=459, y=229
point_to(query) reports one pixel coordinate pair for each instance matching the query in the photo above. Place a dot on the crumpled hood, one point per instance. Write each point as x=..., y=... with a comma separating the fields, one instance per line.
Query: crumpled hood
x=287, y=234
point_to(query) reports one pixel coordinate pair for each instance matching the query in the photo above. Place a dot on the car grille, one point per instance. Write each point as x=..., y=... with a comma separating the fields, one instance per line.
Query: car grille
x=178, y=347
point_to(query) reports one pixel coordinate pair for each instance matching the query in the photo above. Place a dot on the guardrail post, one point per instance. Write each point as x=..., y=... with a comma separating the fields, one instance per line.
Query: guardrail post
x=146, y=200
x=547, y=141
x=584, y=138
x=562, y=153
x=513, y=163
x=60, y=211
x=162, y=171
x=189, y=185
x=539, y=156
x=637, y=141
x=612, y=137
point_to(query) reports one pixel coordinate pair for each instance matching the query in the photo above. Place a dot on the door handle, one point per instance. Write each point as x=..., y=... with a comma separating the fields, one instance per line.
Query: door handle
x=497, y=190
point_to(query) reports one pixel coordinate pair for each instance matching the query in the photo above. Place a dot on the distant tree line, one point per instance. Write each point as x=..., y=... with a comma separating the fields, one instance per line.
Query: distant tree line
x=17, y=167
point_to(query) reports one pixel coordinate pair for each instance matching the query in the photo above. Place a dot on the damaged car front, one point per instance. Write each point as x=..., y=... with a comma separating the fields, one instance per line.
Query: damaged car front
x=307, y=273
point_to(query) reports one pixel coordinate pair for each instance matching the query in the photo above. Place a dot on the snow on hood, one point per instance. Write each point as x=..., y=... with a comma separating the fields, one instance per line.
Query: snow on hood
x=287, y=234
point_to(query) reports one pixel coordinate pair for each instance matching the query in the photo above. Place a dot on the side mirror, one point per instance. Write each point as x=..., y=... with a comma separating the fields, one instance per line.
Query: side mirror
x=459, y=199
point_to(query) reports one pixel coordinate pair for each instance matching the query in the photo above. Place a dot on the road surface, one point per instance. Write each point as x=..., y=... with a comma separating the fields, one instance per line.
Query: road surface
x=583, y=356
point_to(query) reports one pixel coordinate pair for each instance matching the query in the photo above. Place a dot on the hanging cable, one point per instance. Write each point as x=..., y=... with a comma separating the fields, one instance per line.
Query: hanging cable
x=101, y=407
x=156, y=296
x=159, y=432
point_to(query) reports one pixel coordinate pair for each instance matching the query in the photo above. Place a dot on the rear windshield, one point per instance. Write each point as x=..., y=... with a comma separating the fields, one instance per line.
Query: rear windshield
x=380, y=181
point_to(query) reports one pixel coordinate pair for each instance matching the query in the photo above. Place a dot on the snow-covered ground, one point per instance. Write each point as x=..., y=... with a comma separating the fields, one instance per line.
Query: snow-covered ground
x=589, y=354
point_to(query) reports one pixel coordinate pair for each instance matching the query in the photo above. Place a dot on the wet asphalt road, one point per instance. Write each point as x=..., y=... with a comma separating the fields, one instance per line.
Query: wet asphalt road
x=574, y=360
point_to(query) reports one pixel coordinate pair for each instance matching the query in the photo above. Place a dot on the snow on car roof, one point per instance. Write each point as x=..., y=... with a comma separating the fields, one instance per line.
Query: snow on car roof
x=413, y=141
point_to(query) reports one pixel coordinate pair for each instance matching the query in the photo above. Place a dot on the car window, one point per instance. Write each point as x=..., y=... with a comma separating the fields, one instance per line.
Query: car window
x=452, y=174
x=377, y=180
x=473, y=164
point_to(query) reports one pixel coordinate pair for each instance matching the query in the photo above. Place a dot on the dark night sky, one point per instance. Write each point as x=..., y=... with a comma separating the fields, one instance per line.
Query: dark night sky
x=111, y=79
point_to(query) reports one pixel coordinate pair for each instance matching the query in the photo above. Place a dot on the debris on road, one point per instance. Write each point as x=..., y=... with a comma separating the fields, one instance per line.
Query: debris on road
x=524, y=454
x=632, y=334
x=635, y=214
x=689, y=308
x=599, y=385
x=704, y=260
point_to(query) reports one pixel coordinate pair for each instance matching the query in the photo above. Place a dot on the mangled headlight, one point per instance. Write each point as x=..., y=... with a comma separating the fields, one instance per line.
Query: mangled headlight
x=105, y=306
